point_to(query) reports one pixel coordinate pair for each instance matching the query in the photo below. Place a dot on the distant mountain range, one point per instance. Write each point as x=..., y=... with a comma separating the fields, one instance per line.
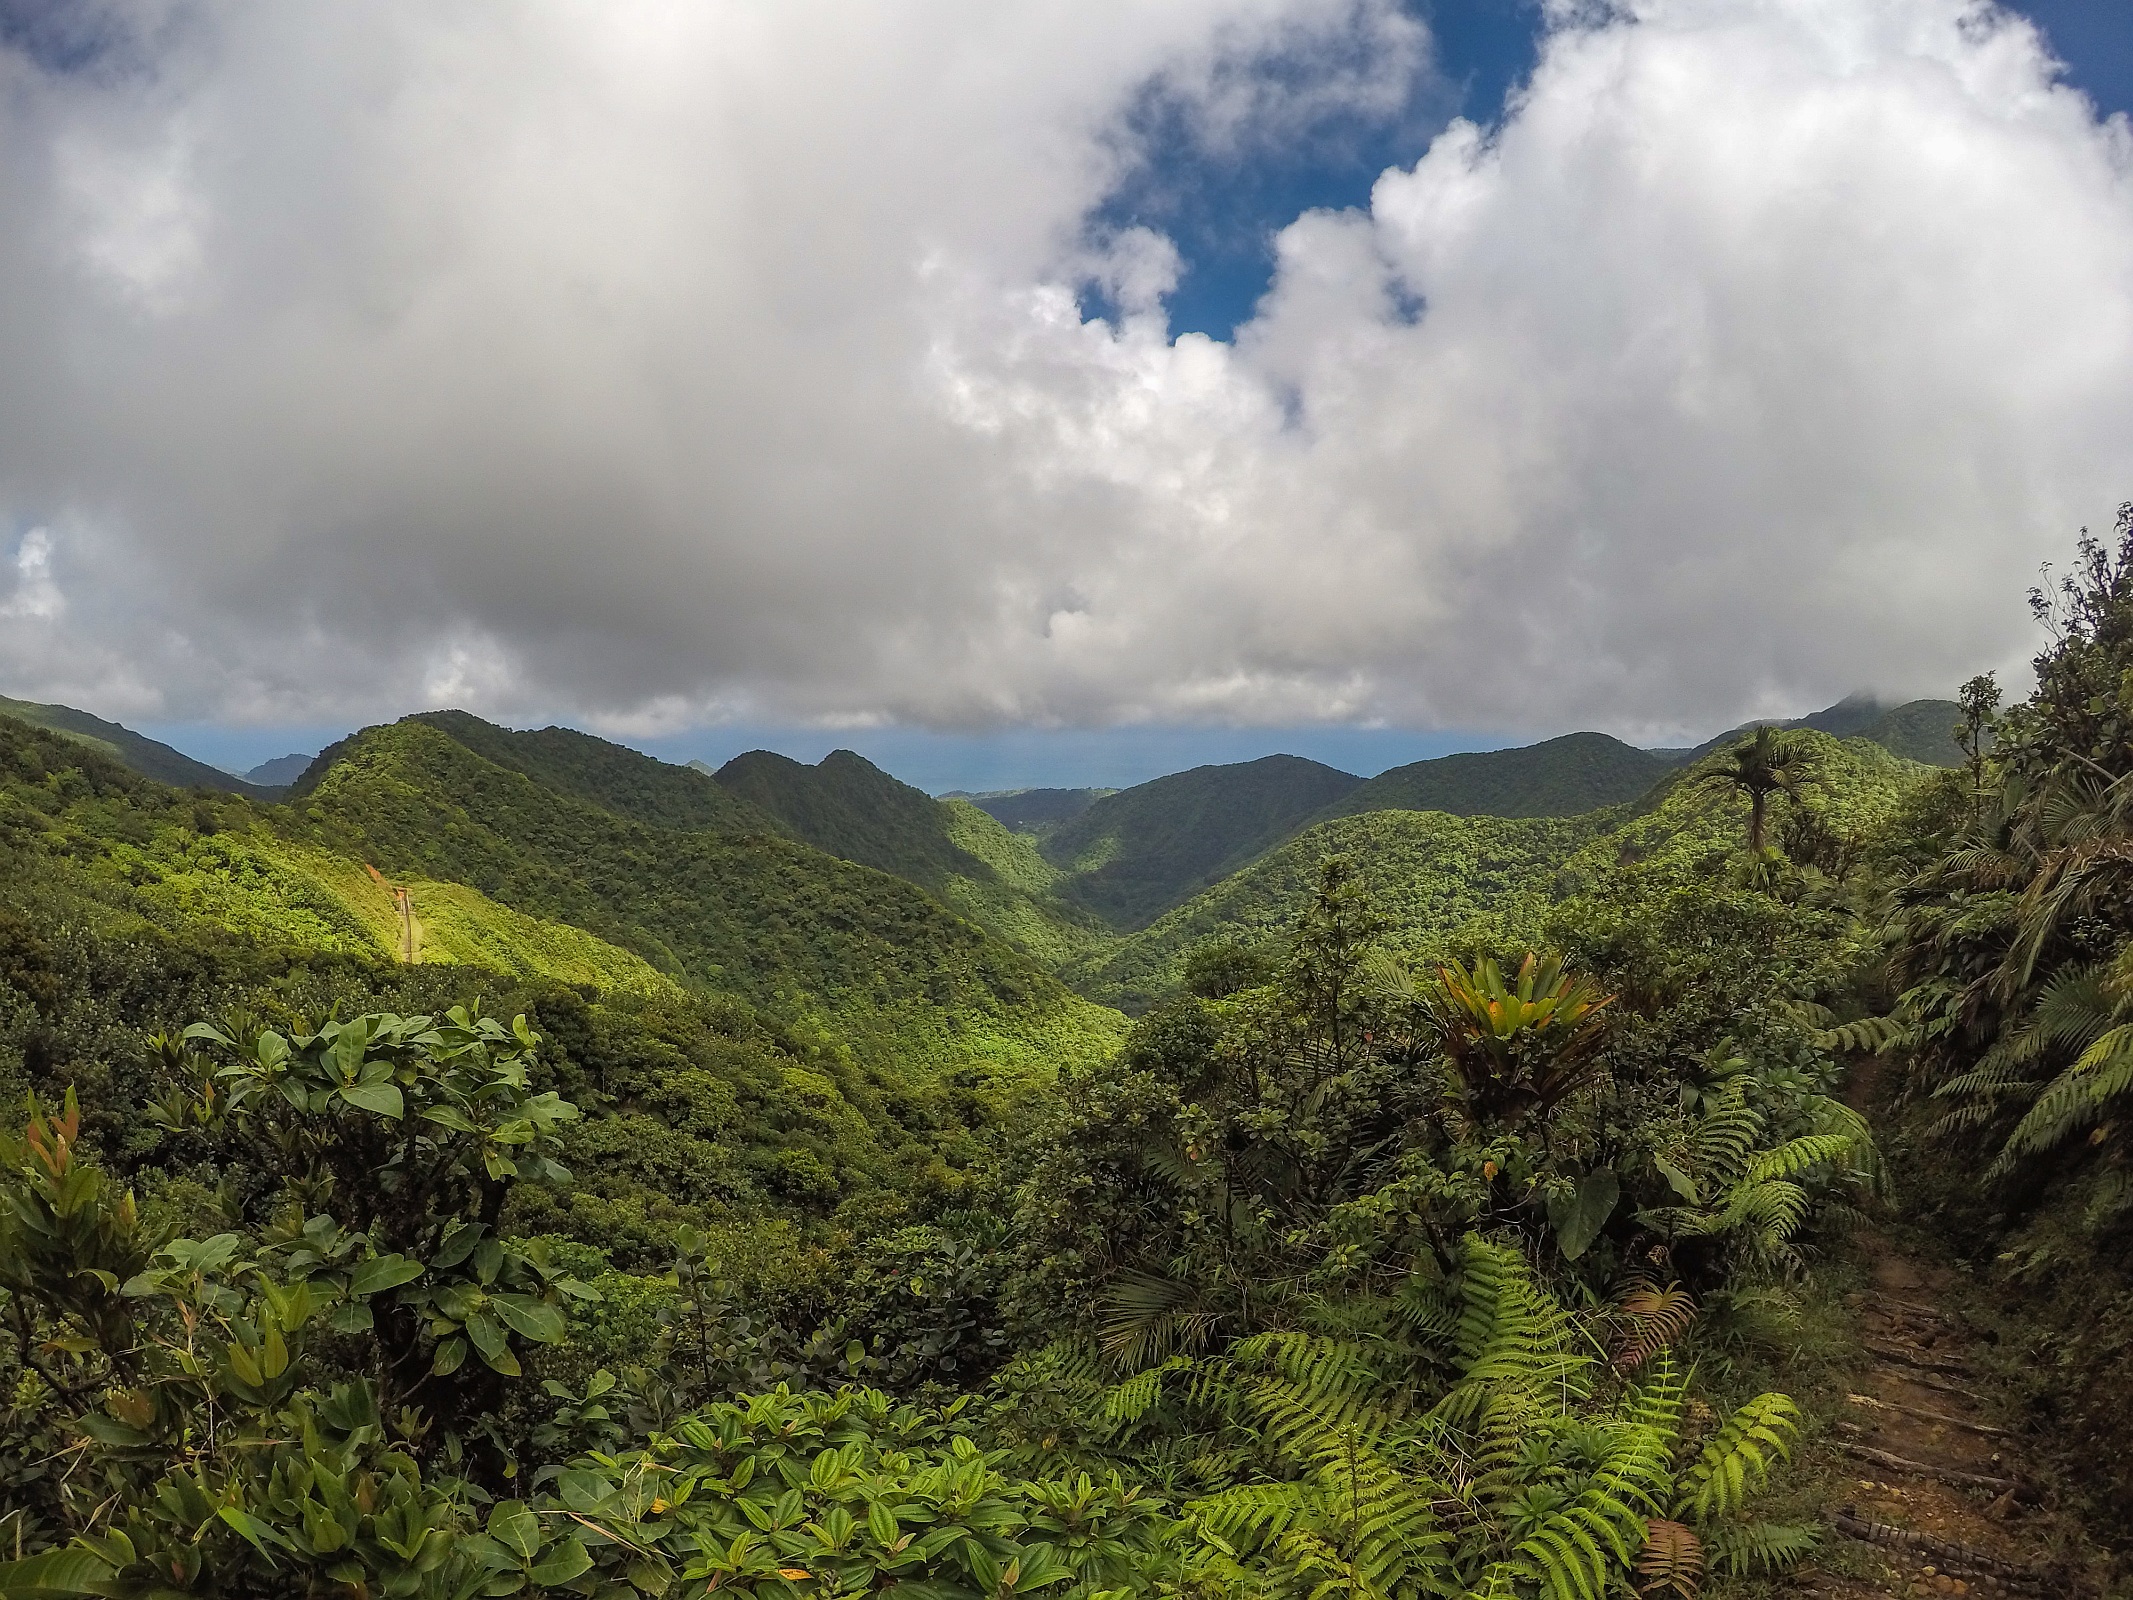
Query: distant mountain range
x=280, y=772
x=919, y=924
x=1917, y=730
x=1131, y=856
x=1054, y=871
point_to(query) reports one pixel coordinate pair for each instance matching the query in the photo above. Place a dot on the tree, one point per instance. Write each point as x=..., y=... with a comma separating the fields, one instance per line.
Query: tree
x=1768, y=762
x=1980, y=698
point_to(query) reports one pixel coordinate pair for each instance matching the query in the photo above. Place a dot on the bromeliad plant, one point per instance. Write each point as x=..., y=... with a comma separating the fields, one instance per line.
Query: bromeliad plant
x=1517, y=1049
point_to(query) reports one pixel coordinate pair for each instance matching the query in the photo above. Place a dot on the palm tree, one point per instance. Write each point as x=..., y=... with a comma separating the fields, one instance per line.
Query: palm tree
x=1767, y=763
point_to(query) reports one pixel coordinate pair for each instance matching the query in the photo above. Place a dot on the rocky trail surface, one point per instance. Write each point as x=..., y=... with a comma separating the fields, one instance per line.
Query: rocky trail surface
x=1940, y=1500
x=1933, y=1490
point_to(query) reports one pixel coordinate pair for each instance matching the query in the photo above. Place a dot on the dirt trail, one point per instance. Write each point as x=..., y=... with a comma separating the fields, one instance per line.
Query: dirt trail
x=1938, y=1497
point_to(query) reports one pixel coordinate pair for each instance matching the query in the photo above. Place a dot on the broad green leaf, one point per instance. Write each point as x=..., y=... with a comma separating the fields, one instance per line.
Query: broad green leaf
x=523, y=1315
x=382, y=1098
x=383, y=1272
x=458, y=1243
x=1579, y=1223
x=255, y=1532
x=514, y=1526
x=565, y=1562
x=1681, y=1183
x=881, y=1523
x=57, y=1573
x=491, y=1341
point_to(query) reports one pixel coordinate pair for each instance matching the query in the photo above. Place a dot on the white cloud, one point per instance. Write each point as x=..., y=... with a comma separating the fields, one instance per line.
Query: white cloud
x=648, y=362
x=34, y=596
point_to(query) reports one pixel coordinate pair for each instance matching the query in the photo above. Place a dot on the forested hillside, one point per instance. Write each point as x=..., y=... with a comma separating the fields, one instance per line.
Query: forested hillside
x=1132, y=855
x=1918, y=730
x=1035, y=811
x=1442, y=882
x=131, y=750
x=848, y=807
x=1563, y=777
x=516, y=1166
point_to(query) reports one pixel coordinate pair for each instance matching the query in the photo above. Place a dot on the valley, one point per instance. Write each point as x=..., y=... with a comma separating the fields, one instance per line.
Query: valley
x=1315, y=1152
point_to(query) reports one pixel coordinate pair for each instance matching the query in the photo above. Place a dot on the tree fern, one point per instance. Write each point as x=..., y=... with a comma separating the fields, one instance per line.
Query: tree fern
x=2078, y=1098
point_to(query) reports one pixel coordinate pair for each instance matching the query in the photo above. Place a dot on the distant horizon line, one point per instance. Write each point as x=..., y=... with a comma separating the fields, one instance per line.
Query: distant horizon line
x=1111, y=758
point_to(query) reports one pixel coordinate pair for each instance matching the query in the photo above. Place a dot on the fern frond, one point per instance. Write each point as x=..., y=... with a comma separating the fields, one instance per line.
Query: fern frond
x=1387, y=1524
x=1869, y=1036
x=1724, y=1142
x=1650, y=1319
x=1671, y=1561
x=1738, y=1458
x=1253, y=1515
x=1656, y=1403
x=1309, y=1393
x=2079, y=1096
x=1800, y=1155
x=1515, y=1339
x=1742, y=1548
x=1130, y=1400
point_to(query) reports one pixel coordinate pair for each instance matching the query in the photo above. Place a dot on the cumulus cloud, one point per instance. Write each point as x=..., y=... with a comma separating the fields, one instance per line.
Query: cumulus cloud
x=659, y=364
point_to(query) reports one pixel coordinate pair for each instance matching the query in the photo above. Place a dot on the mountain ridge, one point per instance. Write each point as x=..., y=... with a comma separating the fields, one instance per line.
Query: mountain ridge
x=1133, y=854
x=1561, y=777
x=135, y=751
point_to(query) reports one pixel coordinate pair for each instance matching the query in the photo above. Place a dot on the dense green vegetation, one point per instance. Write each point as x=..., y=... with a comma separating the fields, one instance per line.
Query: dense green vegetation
x=127, y=907
x=143, y=755
x=516, y=1166
x=1132, y=855
x=605, y=775
x=2010, y=950
x=1451, y=886
x=1035, y=811
x=1286, y=1300
x=1444, y=884
x=764, y=917
x=1917, y=730
x=1564, y=777
x=848, y=807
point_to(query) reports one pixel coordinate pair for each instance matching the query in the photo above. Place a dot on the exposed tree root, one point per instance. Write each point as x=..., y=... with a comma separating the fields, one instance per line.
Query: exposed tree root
x=1927, y=1469
x=1964, y=1423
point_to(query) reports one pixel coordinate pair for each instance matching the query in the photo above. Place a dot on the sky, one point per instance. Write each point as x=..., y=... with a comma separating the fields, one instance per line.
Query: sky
x=1050, y=392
